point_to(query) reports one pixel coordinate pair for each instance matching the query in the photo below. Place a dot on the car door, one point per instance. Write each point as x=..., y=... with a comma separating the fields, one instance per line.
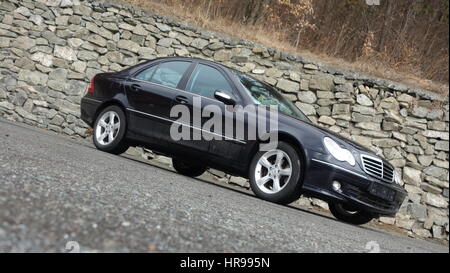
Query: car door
x=204, y=80
x=150, y=93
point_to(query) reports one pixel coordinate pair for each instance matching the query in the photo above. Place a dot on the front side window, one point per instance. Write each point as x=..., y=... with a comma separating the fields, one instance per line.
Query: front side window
x=205, y=80
x=168, y=74
x=267, y=95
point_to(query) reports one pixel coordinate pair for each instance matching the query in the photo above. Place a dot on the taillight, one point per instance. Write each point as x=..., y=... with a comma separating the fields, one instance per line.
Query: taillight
x=91, y=86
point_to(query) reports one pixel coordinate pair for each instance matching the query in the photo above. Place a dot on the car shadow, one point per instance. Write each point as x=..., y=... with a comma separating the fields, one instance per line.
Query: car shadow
x=230, y=187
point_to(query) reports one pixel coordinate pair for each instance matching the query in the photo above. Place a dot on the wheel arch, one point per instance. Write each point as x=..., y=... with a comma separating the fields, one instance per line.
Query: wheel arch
x=110, y=103
x=285, y=137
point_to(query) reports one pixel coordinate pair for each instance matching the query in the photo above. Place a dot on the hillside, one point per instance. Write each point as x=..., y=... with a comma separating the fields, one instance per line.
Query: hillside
x=405, y=41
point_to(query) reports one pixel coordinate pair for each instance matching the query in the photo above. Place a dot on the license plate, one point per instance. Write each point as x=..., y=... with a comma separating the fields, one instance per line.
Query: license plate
x=382, y=192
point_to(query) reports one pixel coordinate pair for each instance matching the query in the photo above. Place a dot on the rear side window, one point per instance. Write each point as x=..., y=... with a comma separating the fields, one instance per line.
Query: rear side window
x=205, y=80
x=147, y=74
x=168, y=74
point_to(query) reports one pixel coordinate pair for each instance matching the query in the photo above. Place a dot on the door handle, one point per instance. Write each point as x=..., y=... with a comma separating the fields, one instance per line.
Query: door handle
x=136, y=87
x=181, y=99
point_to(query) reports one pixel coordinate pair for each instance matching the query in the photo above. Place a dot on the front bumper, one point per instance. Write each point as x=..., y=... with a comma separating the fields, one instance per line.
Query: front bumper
x=356, y=186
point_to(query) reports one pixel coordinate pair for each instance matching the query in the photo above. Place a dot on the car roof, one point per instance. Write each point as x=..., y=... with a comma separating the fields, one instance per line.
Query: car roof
x=136, y=67
x=175, y=58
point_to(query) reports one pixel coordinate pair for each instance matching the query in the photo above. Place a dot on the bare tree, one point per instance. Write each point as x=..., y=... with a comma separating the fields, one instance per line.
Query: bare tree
x=386, y=25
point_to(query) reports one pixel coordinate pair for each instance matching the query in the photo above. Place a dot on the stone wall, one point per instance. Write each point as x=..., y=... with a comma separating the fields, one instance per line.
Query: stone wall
x=49, y=49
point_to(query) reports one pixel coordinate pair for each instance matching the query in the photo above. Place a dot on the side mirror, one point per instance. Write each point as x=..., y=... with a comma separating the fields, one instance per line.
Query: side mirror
x=224, y=97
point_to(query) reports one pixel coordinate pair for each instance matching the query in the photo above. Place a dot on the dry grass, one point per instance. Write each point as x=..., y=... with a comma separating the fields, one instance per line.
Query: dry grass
x=378, y=64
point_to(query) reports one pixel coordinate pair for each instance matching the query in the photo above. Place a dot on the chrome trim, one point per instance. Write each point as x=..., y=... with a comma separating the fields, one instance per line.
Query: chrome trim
x=94, y=100
x=182, y=124
x=371, y=173
x=340, y=168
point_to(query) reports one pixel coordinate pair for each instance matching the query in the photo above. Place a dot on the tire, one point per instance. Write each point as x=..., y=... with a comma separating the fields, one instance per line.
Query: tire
x=188, y=169
x=263, y=175
x=349, y=214
x=118, y=126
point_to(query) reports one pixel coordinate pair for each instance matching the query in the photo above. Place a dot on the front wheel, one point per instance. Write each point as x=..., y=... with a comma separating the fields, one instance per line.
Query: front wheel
x=109, y=130
x=350, y=214
x=276, y=175
x=188, y=169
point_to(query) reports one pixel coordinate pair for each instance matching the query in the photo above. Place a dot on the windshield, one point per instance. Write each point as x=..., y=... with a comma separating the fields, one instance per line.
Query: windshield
x=267, y=95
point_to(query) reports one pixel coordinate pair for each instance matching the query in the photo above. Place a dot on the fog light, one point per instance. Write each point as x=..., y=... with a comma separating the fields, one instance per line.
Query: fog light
x=336, y=186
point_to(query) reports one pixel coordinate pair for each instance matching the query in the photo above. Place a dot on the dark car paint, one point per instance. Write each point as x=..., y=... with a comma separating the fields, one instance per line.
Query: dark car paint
x=148, y=118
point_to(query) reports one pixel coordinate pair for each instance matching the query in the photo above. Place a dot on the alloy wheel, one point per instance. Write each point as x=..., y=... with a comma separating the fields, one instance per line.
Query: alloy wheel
x=108, y=127
x=273, y=171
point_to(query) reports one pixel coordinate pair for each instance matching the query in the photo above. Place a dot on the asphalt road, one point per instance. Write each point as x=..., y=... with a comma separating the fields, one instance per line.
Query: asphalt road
x=55, y=190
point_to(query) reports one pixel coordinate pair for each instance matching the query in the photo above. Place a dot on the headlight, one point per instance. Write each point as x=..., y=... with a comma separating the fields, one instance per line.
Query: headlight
x=338, y=152
x=397, y=178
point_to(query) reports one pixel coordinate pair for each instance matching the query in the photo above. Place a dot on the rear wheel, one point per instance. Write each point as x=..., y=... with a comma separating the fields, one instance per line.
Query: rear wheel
x=350, y=214
x=109, y=130
x=188, y=169
x=275, y=175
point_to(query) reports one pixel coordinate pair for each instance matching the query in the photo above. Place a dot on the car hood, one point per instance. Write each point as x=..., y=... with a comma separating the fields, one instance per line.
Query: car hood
x=350, y=142
x=343, y=139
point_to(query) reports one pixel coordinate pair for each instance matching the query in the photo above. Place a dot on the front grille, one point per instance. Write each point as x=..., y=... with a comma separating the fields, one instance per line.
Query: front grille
x=375, y=167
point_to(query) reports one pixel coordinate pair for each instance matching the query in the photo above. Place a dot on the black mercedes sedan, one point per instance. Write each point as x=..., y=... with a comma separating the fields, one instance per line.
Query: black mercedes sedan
x=188, y=109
